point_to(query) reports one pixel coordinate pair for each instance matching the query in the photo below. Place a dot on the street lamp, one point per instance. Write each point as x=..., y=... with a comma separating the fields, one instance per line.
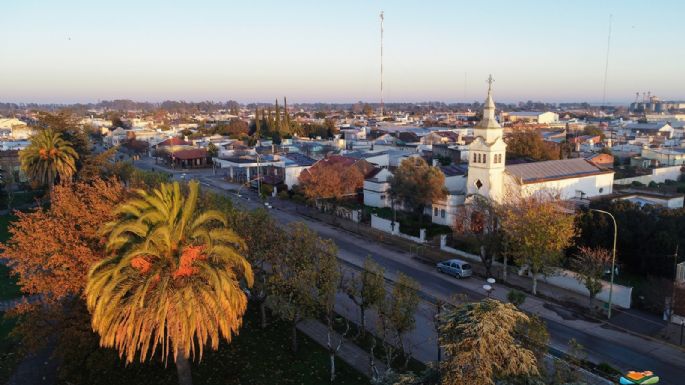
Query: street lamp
x=613, y=258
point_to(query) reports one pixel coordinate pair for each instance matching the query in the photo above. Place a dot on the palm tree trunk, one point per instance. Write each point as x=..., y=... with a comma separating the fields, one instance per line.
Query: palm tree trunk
x=183, y=368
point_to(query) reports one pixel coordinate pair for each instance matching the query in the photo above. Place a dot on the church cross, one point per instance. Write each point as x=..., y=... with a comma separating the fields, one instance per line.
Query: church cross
x=490, y=81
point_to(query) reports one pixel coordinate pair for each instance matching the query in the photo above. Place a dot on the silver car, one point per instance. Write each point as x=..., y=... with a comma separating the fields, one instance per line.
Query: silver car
x=455, y=267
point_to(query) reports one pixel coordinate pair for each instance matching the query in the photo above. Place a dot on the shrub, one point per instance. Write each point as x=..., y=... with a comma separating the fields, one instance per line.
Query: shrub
x=283, y=194
x=516, y=297
x=637, y=184
x=670, y=182
x=653, y=184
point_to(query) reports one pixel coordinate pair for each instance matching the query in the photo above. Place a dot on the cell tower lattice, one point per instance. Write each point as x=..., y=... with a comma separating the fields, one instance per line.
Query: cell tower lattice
x=382, y=105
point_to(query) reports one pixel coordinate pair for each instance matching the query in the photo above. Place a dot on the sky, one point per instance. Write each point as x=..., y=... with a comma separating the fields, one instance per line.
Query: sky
x=329, y=51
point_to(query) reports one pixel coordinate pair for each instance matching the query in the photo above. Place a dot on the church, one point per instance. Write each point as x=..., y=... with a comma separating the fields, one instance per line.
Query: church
x=489, y=176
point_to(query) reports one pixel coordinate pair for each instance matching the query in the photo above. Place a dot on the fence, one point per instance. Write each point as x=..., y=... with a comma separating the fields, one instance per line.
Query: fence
x=392, y=227
x=565, y=279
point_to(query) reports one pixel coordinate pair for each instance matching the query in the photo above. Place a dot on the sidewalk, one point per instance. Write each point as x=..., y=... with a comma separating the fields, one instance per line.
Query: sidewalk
x=349, y=352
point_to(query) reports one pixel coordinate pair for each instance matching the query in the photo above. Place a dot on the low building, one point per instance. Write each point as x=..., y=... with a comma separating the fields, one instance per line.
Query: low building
x=531, y=117
x=642, y=198
x=571, y=178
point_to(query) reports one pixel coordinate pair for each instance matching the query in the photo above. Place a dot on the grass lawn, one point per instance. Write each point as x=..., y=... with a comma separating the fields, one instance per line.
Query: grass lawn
x=255, y=357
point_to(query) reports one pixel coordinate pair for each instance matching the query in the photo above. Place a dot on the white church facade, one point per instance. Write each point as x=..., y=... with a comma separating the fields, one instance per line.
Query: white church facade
x=490, y=177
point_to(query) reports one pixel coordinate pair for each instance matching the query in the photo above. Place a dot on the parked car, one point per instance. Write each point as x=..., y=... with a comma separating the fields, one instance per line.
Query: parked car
x=455, y=267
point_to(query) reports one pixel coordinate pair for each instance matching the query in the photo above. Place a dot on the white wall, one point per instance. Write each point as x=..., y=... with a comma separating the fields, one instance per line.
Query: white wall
x=451, y=206
x=568, y=188
x=376, y=194
x=292, y=174
x=455, y=183
x=621, y=295
x=658, y=175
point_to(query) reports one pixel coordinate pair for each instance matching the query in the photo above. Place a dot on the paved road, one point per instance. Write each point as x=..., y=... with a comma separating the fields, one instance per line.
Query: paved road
x=354, y=249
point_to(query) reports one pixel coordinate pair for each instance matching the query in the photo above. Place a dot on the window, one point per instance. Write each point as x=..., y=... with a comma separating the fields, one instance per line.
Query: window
x=382, y=197
x=442, y=213
x=479, y=161
x=485, y=158
x=474, y=157
x=435, y=212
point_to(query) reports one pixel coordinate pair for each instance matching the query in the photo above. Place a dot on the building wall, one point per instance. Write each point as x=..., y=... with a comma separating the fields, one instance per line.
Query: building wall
x=590, y=186
x=446, y=212
x=659, y=175
x=376, y=194
x=292, y=174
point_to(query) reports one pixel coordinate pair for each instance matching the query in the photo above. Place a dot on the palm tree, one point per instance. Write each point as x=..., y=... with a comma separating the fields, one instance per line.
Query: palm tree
x=173, y=282
x=47, y=157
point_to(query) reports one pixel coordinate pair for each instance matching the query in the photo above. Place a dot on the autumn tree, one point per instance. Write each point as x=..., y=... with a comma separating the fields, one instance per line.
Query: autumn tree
x=367, y=289
x=296, y=284
x=172, y=281
x=481, y=344
x=50, y=250
x=589, y=265
x=266, y=245
x=530, y=145
x=417, y=185
x=539, y=228
x=397, y=317
x=330, y=178
x=480, y=223
x=48, y=158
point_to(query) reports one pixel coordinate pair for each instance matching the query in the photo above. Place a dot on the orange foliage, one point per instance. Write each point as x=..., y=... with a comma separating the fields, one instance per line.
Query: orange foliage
x=331, y=180
x=185, y=265
x=141, y=264
x=51, y=250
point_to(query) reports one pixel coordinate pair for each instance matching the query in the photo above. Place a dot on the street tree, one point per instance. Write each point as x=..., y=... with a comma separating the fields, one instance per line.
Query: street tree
x=481, y=345
x=330, y=179
x=172, y=282
x=293, y=292
x=397, y=317
x=589, y=265
x=530, y=145
x=417, y=185
x=484, y=228
x=539, y=228
x=367, y=289
x=266, y=244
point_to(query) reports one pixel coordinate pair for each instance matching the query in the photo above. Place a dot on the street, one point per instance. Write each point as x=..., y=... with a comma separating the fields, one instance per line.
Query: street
x=621, y=350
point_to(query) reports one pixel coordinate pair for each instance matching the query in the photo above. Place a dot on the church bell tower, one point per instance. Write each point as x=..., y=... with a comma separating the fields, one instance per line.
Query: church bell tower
x=487, y=154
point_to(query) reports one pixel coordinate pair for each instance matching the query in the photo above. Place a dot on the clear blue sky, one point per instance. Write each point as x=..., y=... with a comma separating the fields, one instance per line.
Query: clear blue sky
x=80, y=51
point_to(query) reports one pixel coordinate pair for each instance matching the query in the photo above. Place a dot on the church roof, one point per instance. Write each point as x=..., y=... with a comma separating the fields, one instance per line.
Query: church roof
x=553, y=170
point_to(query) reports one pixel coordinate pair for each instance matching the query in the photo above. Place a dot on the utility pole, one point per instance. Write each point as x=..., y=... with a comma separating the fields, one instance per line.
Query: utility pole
x=606, y=65
x=382, y=105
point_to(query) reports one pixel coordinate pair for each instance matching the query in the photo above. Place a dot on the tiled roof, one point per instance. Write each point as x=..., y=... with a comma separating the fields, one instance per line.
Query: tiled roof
x=194, y=153
x=553, y=169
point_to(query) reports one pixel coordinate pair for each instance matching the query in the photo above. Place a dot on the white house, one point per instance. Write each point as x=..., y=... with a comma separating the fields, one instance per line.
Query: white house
x=376, y=189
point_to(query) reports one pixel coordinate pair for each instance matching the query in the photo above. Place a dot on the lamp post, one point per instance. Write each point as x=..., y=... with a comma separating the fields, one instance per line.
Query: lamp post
x=613, y=258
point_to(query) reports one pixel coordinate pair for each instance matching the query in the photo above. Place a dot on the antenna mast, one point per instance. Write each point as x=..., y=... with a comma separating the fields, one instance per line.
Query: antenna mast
x=382, y=105
x=606, y=64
